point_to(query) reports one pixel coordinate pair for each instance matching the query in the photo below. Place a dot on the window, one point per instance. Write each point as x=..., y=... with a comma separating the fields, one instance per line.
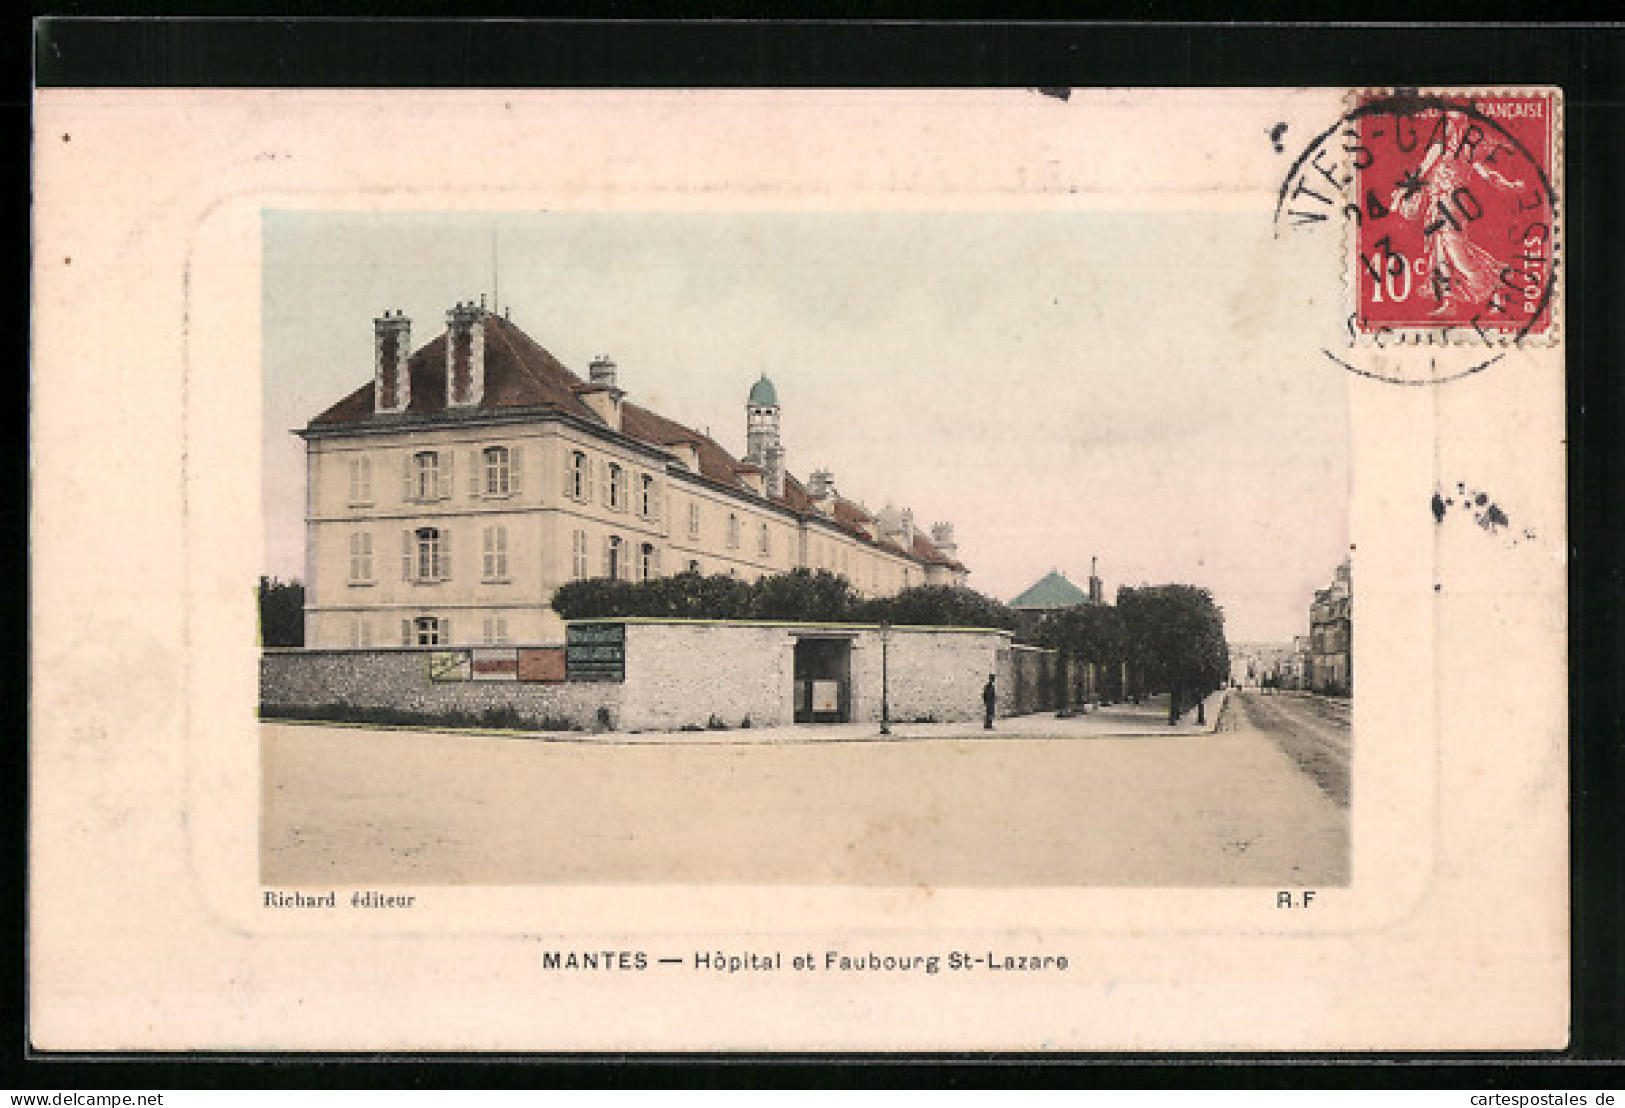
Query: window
x=361, y=558
x=426, y=631
x=693, y=519
x=578, y=554
x=614, y=558
x=426, y=555
x=494, y=562
x=578, y=477
x=694, y=565
x=648, y=562
x=426, y=478
x=761, y=540
x=615, y=489
x=360, y=634
x=496, y=630
x=361, y=480
x=648, y=497
x=733, y=530
x=498, y=471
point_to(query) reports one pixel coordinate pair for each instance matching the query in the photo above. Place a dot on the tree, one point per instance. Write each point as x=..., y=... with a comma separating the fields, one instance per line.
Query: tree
x=939, y=606
x=804, y=596
x=1090, y=634
x=282, y=612
x=800, y=596
x=1174, y=637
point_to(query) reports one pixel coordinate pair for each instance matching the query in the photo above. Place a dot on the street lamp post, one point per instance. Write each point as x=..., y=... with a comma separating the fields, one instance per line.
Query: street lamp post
x=885, y=679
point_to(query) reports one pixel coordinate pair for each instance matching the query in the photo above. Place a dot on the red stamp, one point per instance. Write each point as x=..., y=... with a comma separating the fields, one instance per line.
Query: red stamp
x=1453, y=216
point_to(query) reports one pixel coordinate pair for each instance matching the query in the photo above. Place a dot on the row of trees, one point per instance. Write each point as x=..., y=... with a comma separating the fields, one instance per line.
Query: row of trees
x=800, y=596
x=1165, y=636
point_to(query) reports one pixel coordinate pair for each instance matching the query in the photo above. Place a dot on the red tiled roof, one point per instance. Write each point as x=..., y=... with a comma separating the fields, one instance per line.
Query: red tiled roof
x=521, y=374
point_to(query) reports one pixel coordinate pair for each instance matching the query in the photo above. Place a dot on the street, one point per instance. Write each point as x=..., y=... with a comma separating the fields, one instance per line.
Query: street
x=1040, y=802
x=1312, y=730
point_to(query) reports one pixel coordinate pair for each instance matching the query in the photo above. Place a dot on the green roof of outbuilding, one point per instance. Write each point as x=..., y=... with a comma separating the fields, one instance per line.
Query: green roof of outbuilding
x=763, y=393
x=1051, y=591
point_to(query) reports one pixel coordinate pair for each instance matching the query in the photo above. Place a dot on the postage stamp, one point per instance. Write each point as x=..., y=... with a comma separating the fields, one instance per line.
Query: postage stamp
x=1449, y=204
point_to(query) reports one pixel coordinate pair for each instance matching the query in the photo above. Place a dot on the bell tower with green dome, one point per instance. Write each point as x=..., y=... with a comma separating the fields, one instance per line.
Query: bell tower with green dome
x=762, y=446
x=761, y=421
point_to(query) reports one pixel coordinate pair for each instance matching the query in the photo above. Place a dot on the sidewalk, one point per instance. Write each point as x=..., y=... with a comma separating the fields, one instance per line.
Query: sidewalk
x=1149, y=719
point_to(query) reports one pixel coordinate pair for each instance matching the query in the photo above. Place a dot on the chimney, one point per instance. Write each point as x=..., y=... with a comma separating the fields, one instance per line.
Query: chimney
x=907, y=529
x=774, y=470
x=465, y=356
x=942, y=537
x=1096, y=593
x=821, y=487
x=392, y=345
x=602, y=371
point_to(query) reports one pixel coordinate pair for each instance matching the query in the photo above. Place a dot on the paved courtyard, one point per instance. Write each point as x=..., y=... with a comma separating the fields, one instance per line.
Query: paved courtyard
x=1096, y=800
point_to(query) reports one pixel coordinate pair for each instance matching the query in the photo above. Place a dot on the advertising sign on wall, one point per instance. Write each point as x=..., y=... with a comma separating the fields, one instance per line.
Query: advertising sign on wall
x=595, y=652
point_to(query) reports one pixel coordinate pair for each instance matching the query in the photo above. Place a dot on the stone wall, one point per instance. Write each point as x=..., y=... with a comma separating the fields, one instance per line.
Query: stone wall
x=1036, y=681
x=683, y=674
x=935, y=674
x=398, y=677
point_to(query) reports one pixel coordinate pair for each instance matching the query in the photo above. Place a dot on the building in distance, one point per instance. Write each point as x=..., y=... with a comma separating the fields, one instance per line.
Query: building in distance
x=1049, y=594
x=1331, y=636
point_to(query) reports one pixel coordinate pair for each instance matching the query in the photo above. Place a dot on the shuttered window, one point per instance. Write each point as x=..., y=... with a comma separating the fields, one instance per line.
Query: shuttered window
x=428, y=476
x=578, y=477
x=426, y=555
x=494, y=554
x=361, y=558
x=498, y=468
x=648, y=497
x=578, y=554
x=361, y=480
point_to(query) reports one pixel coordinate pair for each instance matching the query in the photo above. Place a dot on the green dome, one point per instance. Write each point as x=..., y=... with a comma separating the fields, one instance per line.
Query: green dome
x=763, y=394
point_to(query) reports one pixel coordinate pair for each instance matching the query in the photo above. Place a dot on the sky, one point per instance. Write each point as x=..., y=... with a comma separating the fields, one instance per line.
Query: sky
x=1061, y=386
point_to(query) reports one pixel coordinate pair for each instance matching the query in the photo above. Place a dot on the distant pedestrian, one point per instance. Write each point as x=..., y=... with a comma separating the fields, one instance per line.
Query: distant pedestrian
x=990, y=698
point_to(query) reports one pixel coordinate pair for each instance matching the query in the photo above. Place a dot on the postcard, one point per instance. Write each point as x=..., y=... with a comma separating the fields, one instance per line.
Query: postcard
x=799, y=570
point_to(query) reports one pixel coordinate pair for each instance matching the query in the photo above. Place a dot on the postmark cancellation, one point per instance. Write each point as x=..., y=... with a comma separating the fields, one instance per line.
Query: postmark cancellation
x=1447, y=204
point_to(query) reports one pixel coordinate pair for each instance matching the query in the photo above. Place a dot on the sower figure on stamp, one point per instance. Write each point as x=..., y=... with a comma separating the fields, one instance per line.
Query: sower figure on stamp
x=1459, y=269
x=990, y=698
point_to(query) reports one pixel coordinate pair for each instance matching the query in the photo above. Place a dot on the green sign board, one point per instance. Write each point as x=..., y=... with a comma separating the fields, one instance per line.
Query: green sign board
x=595, y=652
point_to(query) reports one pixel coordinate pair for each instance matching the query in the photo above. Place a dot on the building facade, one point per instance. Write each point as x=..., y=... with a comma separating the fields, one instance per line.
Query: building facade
x=1331, y=636
x=1268, y=665
x=451, y=496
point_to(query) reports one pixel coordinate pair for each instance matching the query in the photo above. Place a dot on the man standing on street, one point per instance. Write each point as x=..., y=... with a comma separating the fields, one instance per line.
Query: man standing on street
x=989, y=698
